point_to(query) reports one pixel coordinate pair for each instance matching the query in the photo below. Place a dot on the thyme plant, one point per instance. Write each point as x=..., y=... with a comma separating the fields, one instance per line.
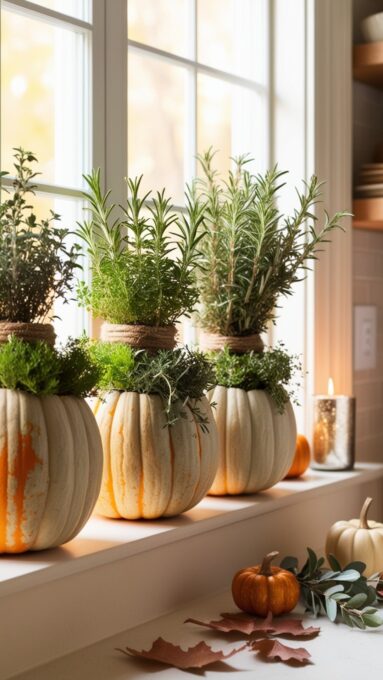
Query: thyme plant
x=271, y=370
x=143, y=256
x=177, y=376
x=40, y=369
x=252, y=254
x=36, y=265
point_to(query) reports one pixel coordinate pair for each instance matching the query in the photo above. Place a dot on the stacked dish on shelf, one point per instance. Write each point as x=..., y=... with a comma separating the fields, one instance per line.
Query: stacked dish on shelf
x=370, y=181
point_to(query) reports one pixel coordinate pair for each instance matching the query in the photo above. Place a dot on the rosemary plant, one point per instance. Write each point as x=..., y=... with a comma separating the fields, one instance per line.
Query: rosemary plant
x=36, y=265
x=252, y=254
x=143, y=256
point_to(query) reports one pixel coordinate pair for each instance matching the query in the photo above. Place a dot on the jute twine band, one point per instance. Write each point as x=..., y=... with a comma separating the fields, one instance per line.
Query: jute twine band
x=150, y=338
x=30, y=332
x=215, y=342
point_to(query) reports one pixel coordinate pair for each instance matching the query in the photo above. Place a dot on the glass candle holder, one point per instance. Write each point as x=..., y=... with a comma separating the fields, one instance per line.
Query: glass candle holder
x=334, y=432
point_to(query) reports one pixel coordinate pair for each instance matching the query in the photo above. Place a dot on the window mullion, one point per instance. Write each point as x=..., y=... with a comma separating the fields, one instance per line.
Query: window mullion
x=98, y=96
x=116, y=100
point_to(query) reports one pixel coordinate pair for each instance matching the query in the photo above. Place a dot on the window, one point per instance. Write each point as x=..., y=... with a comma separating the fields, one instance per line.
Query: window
x=45, y=107
x=197, y=77
x=197, y=74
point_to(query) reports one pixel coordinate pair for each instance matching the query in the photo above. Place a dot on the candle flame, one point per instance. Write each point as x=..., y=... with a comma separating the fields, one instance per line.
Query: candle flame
x=330, y=387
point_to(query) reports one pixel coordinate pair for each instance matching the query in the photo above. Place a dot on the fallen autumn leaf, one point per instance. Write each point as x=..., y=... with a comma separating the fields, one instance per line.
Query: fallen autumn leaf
x=273, y=649
x=165, y=652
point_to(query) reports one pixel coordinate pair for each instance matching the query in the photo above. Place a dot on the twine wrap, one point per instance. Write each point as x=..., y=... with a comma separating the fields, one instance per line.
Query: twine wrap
x=151, y=338
x=30, y=332
x=240, y=345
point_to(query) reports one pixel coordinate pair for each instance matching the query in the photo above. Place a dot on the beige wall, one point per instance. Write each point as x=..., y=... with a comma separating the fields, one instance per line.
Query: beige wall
x=368, y=256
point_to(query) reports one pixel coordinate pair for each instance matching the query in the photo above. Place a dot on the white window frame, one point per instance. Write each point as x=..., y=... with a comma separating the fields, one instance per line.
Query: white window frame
x=309, y=56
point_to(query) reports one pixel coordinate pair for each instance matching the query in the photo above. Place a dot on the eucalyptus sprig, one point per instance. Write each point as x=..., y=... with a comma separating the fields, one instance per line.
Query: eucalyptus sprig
x=143, y=255
x=37, y=266
x=337, y=592
x=252, y=254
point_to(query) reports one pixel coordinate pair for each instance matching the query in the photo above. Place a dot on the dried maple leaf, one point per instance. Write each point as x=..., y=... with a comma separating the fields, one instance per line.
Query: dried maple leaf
x=199, y=656
x=294, y=628
x=273, y=649
x=250, y=625
x=239, y=623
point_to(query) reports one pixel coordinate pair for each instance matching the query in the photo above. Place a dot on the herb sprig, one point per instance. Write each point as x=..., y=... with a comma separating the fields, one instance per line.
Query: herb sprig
x=337, y=592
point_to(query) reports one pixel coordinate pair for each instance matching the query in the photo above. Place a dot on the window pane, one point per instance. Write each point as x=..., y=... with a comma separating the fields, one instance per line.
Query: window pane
x=70, y=320
x=229, y=34
x=164, y=24
x=232, y=119
x=44, y=96
x=81, y=9
x=157, y=108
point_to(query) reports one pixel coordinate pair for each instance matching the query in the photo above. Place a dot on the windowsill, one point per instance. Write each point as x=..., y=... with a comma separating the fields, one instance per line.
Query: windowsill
x=103, y=541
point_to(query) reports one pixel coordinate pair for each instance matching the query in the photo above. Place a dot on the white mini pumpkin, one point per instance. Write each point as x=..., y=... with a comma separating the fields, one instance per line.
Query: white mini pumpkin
x=150, y=469
x=50, y=469
x=357, y=540
x=256, y=443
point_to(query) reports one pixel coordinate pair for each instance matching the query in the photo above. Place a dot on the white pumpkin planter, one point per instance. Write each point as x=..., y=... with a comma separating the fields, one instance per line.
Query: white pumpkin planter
x=150, y=469
x=256, y=443
x=50, y=469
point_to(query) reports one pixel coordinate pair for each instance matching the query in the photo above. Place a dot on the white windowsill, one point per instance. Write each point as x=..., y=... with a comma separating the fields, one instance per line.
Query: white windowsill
x=103, y=541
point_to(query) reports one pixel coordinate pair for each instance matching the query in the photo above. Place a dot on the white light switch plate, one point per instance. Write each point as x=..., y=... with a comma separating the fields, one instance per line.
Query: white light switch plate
x=364, y=337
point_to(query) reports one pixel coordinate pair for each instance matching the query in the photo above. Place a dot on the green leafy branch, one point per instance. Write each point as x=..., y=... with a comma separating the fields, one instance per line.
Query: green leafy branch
x=338, y=593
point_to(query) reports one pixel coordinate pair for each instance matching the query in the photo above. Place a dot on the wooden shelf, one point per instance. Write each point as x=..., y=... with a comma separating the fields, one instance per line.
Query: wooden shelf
x=368, y=213
x=368, y=64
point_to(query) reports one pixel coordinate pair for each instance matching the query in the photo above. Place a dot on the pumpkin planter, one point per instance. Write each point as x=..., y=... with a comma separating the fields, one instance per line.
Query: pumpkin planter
x=50, y=447
x=252, y=255
x=256, y=443
x=152, y=469
x=265, y=588
x=157, y=428
x=50, y=469
x=357, y=540
x=301, y=459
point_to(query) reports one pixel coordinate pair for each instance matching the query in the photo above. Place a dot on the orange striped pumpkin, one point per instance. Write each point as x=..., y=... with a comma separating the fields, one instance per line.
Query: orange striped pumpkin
x=50, y=469
x=150, y=469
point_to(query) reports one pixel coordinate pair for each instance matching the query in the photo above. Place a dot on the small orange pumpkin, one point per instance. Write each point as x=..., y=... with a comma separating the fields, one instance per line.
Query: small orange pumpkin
x=264, y=588
x=301, y=459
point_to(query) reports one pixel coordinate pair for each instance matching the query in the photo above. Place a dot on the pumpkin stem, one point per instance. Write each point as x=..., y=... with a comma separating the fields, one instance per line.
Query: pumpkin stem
x=363, y=514
x=265, y=569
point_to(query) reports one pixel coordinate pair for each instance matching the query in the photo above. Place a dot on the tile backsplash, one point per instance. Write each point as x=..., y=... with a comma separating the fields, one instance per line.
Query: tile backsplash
x=368, y=385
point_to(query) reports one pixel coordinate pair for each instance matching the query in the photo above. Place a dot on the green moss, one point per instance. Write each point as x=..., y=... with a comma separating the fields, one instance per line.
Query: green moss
x=175, y=375
x=272, y=371
x=40, y=369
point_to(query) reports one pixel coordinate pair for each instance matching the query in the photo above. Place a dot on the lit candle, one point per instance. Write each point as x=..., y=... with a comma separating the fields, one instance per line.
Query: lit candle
x=334, y=431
